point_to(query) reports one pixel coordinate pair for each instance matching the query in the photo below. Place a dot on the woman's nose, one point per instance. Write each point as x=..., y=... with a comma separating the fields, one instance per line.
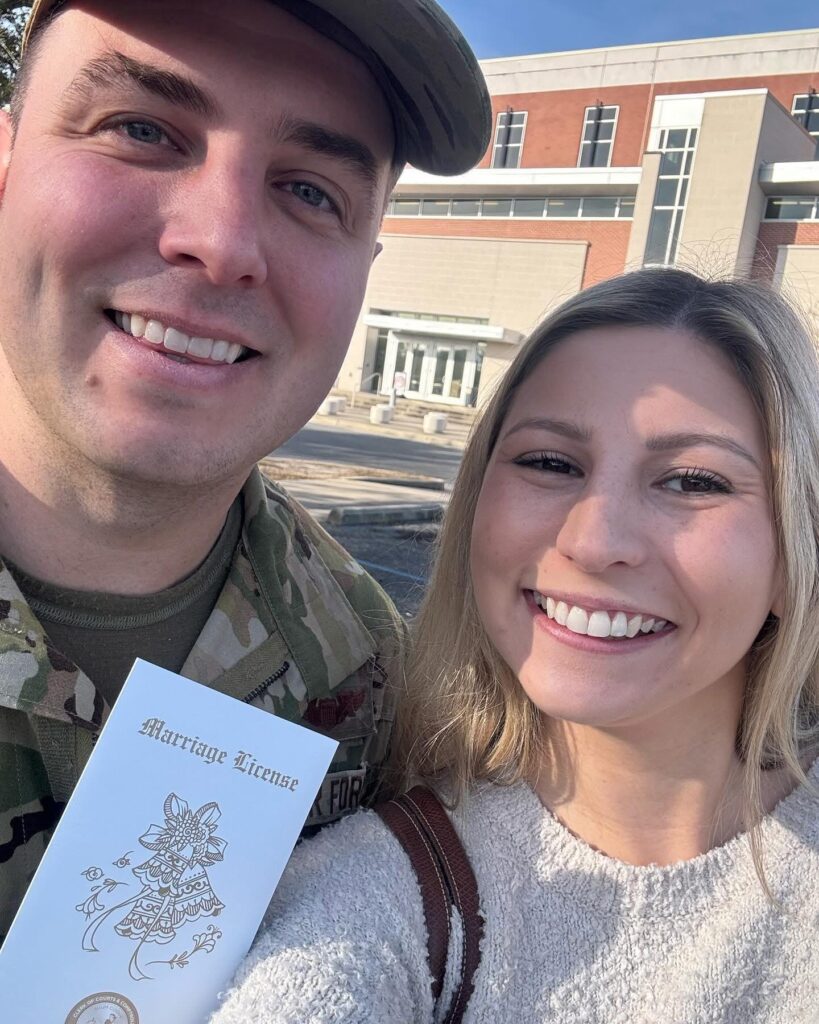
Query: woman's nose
x=601, y=530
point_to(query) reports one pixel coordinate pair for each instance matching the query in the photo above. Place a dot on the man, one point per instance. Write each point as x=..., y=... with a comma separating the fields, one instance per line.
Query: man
x=190, y=198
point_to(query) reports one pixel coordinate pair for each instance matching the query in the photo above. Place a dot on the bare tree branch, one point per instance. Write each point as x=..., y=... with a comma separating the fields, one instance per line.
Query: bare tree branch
x=13, y=14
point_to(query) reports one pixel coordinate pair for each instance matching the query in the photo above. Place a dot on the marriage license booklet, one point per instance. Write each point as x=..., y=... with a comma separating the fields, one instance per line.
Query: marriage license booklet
x=164, y=861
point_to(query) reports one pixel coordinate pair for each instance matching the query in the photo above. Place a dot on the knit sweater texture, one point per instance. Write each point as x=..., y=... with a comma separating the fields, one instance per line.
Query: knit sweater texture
x=571, y=936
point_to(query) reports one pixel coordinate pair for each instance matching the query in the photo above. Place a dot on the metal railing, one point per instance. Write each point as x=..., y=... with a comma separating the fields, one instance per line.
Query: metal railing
x=366, y=380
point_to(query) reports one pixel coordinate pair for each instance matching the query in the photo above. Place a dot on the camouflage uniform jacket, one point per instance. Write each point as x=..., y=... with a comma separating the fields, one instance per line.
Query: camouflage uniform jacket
x=299, y=629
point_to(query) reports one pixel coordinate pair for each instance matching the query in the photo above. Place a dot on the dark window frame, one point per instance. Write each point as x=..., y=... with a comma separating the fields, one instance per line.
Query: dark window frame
x=594, y=117
x=502, y=147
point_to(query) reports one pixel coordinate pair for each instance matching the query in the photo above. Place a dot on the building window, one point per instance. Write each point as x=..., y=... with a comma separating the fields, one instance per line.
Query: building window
x=466, y=207
x=524, y=207
x=792, y=208
x=677, y=146
x=805, y=110
x=509, y=132
x=434, y=207
x=596, y=145
x=405, y=207
x=496, y=207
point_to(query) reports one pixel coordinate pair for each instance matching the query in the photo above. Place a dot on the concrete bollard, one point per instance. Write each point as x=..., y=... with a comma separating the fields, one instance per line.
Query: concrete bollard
x=329, y=407
x=381, y=414
x=435, y=423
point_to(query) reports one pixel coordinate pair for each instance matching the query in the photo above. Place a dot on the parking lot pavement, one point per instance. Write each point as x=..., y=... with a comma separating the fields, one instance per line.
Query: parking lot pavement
x=321, y=496
x=398, y=557
x=397, y=554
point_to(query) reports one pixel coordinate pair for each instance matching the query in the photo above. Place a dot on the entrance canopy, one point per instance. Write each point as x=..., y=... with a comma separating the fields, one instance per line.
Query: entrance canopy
x=436, y=360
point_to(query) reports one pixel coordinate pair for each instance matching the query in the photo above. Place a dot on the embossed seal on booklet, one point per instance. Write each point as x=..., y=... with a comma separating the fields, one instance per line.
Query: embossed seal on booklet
x=165, y=859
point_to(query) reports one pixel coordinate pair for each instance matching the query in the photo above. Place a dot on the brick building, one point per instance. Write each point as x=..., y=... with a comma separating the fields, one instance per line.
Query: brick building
x=700, y=153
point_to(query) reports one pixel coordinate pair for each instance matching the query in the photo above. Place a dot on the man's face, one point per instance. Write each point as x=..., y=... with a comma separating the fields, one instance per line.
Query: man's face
x=216, y=171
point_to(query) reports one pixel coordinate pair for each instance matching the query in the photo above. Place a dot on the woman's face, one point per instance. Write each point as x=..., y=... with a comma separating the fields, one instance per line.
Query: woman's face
x=623, y=552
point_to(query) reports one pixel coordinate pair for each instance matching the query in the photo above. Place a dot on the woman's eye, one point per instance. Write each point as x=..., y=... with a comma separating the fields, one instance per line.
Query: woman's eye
x=696, y=481
x=548, y=462
x=312, y=195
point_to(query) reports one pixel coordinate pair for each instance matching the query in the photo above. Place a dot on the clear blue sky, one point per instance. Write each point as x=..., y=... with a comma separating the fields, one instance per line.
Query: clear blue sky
x=498, y=28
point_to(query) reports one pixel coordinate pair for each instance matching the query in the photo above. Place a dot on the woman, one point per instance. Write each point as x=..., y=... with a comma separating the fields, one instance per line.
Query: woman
x=615, y=681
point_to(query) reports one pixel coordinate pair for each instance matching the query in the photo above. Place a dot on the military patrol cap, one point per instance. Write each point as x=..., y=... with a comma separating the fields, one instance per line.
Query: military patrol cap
x=424, y=66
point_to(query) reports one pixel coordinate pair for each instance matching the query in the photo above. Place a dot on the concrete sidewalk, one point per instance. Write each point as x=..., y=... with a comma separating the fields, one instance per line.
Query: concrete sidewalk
x=320, y=497
x=405, y=425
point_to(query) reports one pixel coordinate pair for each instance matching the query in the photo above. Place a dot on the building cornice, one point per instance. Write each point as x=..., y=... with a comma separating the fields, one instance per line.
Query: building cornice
x=724, y=57
x=523, y=181
x=792, y=177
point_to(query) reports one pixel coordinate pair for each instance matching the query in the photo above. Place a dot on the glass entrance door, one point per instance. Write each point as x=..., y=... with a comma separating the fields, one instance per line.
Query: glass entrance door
x=445, y=372
x=415, y=369
x=456, y=374
x=453, y=374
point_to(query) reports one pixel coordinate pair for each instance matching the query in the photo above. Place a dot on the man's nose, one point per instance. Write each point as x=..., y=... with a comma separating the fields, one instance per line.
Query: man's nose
x=215, y=223
x=602, y=530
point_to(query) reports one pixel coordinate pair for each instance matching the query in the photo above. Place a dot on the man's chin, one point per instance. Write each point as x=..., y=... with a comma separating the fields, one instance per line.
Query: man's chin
x=174, y=464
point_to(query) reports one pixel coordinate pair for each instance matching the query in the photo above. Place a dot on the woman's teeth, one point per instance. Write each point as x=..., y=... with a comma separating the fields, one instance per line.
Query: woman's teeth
x=597, y=623
x=175, y=341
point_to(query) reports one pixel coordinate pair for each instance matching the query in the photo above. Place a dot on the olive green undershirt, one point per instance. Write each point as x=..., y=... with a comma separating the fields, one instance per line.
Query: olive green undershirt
x=104, y=633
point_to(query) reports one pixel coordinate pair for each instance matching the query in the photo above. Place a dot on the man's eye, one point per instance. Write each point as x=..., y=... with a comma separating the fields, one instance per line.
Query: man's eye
x=144, y=131
x=548, y=462
x=312, y=195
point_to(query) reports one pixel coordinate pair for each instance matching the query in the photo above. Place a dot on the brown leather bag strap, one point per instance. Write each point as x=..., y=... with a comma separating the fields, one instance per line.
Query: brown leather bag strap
x=401, y=820
x=445, y=878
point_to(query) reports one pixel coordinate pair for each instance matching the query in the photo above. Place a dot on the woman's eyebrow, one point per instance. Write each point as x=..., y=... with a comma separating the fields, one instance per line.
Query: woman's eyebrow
x=673, y=442
x=656, y=443
x=571, y=430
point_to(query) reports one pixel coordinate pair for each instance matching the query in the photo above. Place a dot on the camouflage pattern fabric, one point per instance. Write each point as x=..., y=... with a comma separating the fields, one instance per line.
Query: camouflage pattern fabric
x=299, y=629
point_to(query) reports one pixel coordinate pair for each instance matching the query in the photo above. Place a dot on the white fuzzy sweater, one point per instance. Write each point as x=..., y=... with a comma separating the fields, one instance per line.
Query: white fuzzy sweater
x=571, y=936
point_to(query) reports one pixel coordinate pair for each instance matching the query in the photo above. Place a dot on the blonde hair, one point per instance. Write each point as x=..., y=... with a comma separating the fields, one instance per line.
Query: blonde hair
x=465, y=715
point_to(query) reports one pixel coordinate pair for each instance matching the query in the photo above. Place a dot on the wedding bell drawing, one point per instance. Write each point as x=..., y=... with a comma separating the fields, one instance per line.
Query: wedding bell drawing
x=176, y=889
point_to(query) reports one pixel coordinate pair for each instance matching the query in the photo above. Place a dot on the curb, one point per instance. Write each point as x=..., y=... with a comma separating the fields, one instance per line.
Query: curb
x=371, y=515
x=422, y=484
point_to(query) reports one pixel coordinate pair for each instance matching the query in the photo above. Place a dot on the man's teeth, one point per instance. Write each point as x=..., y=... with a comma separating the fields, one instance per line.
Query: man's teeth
x=597, y=623
x=175, y=341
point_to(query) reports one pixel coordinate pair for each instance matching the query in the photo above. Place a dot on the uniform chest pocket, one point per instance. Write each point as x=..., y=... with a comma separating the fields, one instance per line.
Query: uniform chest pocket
x=348, y=712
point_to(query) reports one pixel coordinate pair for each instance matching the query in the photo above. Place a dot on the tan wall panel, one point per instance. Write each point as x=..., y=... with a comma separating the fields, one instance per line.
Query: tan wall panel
x=780, y=139
x=773, y=234
x=608, y=239
x=725, y=201
x=643, y=206
x=495, y=364
x=723, y=173
x=511, y=283
x=355, y=366
x=797, y=277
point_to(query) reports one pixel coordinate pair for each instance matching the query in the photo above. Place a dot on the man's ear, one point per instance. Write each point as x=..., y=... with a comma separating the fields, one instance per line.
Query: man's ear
x=6, y=136
x=379, y=248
